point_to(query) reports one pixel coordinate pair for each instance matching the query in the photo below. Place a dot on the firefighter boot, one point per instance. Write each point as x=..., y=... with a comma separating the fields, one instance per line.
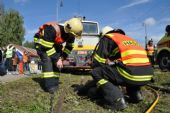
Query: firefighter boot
x=119, y=104
x=113, y=97
x=136, y=97
x=51, y=84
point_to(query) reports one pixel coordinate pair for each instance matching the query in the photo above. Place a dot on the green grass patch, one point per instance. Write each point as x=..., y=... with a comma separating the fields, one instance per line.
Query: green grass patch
x=26, y=96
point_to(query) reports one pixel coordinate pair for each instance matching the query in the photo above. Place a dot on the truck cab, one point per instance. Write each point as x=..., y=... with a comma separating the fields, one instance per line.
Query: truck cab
x=163, y=52
x=80, y=56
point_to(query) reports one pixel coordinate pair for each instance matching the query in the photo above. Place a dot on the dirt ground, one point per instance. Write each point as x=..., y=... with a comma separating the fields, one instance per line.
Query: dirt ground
x=10, y=78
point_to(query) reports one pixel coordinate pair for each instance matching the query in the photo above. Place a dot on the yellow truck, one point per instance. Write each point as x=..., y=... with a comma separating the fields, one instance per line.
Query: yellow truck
x=163, y=51
x=80, y=57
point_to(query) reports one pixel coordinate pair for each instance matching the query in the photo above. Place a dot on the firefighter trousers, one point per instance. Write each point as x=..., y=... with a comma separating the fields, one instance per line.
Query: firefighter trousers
x=50, y=72
x=111, y=80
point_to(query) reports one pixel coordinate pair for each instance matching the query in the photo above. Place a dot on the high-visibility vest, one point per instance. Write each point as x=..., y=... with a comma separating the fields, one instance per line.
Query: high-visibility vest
x=131, y=52
x=150, y=50
x=58, y=38
x=9, y=52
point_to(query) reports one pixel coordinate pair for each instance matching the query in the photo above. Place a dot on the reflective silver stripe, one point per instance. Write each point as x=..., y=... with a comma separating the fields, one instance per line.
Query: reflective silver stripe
x=45, y=43
x=51, y=51
x=66, y=51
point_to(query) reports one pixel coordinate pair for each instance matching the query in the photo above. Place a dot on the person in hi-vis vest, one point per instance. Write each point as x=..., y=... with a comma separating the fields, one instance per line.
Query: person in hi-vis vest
x=151, y=51
x=119, y=60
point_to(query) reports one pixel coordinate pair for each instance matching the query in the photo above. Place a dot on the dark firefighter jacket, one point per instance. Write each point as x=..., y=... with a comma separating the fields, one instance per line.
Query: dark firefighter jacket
x=50, y=38
x=130, y=67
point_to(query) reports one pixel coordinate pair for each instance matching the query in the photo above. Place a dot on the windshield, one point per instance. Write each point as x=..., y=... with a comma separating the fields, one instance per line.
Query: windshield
x=90, y=28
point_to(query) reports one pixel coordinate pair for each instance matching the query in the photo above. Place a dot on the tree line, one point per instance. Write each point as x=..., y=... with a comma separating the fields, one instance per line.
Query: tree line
x=12, y=28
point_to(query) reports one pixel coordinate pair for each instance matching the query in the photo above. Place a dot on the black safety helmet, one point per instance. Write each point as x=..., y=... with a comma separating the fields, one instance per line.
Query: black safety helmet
x=168, y=29
x=119, y=31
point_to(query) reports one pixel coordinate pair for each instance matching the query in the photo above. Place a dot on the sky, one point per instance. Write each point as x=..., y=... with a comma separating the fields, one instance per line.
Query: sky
x=133, y=16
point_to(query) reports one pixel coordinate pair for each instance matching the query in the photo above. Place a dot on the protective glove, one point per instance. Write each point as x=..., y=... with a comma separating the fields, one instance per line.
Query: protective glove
x=59, y=63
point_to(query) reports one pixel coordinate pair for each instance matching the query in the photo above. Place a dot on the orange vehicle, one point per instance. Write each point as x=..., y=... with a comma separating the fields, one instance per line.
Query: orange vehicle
x=163, y=51
x=80, y=57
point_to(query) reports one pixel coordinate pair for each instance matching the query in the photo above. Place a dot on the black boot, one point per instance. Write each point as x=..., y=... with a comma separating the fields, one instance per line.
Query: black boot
x=120, y=104
x=135, y=97
x=51, y=84
x=117, y=105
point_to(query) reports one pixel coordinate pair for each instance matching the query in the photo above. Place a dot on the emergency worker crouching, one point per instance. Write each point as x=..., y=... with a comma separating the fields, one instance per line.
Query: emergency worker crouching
x=119, y=60
x=48, y=43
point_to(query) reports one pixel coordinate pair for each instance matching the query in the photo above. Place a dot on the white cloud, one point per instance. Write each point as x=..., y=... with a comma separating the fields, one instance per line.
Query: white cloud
x=150, y=21
x=134, y=3
x=21, y=1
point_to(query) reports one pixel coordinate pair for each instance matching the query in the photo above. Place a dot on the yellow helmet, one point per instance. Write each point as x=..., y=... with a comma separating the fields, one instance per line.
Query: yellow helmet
x=105, y=30
x=74, y=26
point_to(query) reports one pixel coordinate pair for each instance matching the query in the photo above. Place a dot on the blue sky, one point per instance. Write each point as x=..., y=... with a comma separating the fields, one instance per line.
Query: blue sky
x=126, y=14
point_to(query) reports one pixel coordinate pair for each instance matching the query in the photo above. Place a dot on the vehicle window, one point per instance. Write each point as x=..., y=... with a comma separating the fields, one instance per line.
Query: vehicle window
x=90, y=28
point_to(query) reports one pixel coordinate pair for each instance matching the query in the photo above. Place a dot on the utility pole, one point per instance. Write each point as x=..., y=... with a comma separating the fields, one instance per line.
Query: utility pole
x=59, y=4
x=146, y=35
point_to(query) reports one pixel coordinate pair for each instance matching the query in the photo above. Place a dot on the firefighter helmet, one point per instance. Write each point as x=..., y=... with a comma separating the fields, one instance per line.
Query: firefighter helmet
x=105, y=30
x=74, y=26
x=119, y=31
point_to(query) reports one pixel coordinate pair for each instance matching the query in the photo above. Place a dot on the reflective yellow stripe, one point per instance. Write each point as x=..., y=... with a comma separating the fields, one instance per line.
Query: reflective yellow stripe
x=99, y=59
x=101, y=82
x=66, y=51
x=45, y=43
x=50, y=74
x=51, y=51
x=36, y=47
x=35, y=39
x=70, y=44
x=134, y=77
x=136, y=60
x=130, y=52
x=115, y=51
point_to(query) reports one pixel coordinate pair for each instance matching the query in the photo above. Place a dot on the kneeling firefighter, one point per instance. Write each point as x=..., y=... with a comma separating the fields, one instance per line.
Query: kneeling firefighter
x=48, y=43
x=119, y=60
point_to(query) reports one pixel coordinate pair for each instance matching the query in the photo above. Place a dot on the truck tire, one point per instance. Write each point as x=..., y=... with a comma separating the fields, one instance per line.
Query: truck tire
x=164, y=61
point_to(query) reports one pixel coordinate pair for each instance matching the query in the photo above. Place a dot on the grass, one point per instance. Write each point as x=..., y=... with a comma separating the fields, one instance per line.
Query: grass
x=26, y=96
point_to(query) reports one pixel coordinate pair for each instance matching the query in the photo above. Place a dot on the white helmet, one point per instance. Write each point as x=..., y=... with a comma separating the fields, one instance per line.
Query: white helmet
x=74, y=26
x=105, y=30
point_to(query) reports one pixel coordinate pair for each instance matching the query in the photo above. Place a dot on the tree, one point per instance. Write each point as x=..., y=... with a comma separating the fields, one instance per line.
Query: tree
x=11, y=28
x=29, y=44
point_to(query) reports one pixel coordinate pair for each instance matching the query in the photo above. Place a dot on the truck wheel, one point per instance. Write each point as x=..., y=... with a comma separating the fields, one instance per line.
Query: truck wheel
x=164, y=61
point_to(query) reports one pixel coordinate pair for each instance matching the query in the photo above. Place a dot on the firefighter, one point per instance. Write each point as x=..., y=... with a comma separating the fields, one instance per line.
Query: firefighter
x=48, y=43
x=120, y=60
x=150, y=51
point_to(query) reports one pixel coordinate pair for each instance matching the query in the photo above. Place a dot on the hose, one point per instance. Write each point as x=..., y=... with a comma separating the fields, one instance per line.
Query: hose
x=155, y=101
